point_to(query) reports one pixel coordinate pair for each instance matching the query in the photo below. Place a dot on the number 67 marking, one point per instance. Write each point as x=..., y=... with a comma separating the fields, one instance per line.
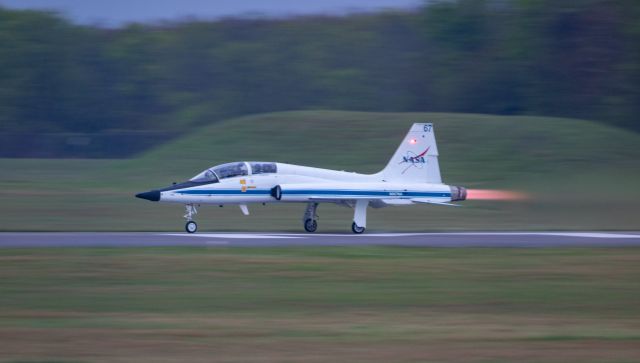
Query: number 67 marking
x=427, y=128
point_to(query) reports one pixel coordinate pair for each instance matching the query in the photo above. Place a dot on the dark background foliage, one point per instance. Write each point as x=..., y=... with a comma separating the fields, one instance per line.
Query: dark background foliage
x=576, y=59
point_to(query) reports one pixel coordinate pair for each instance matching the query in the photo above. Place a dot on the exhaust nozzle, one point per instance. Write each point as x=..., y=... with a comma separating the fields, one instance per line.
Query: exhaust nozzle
x=458, y=193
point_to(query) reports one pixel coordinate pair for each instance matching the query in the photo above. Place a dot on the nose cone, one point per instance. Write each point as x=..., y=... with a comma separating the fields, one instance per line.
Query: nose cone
x=153, y=195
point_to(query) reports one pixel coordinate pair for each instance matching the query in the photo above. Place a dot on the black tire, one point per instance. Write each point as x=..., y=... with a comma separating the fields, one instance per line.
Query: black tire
x=356, y=229
x=310, y=225
x=191, y=227
x=276, y=192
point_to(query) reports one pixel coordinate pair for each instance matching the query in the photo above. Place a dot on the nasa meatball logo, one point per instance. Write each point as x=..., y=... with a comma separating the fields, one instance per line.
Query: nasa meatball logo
x=415, y=160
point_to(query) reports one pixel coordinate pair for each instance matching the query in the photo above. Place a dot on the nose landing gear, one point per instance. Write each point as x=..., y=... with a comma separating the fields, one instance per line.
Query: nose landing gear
x=191, y=226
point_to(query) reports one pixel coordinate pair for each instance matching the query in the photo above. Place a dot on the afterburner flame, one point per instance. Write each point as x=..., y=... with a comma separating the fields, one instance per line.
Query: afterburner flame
x=488, y=194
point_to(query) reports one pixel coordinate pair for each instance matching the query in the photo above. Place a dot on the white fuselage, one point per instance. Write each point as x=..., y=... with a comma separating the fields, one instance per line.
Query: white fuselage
x=306, y=184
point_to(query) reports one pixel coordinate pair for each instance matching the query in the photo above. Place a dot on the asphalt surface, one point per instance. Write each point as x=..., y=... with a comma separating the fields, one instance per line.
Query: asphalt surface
x=467, y=239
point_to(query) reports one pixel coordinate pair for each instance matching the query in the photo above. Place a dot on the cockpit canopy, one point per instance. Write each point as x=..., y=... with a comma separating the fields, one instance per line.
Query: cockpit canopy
x=229, y=170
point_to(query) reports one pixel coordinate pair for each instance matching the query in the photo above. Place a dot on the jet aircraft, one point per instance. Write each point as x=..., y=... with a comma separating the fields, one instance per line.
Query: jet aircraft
x=411, y=176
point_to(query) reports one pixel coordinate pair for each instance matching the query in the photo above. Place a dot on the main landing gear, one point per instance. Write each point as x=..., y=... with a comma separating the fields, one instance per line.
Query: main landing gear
x=310, y=218
x=356, y=229
x=191, y=226
x=360, y=216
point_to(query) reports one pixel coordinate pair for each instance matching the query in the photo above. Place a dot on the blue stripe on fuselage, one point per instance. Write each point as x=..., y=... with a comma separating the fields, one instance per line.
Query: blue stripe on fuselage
x=224, y=191
x=341, y=193
x=367, y=192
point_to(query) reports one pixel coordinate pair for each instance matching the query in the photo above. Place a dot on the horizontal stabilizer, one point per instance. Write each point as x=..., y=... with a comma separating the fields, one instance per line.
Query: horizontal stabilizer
x=431, y=201
x=397, y=201
x=320, y=198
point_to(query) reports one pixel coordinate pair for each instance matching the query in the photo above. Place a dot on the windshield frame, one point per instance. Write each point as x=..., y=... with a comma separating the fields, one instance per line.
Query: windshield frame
x=206, y=176
x=232, y=170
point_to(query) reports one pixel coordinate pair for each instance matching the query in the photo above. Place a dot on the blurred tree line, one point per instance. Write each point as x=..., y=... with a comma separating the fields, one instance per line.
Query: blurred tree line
x=577, y=58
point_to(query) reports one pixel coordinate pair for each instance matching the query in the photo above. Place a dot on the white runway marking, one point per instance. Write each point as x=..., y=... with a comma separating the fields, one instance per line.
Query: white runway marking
x=596, y=235
x=258, y=235
x=559, y=234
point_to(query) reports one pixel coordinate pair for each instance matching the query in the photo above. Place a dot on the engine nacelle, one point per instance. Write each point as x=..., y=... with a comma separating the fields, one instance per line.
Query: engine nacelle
x=458, y=193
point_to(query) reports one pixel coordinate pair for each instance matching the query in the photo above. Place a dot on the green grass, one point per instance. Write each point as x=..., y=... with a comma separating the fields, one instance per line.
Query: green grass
x=580, y=174
x=357, y=304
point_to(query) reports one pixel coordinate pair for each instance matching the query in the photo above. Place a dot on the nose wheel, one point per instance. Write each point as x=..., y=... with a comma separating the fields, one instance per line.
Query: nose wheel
x=191, y=226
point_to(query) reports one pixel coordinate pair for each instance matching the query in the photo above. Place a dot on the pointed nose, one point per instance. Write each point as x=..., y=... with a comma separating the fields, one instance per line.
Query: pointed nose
x=153, y=195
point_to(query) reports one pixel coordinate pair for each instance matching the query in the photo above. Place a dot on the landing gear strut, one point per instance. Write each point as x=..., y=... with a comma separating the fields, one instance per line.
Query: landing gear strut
x=191, y=226
x=360, y=216
x=310, y=218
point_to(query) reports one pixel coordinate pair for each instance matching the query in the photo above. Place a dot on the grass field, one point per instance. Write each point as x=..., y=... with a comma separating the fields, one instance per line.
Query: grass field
x=579, y=174
x=364, y=304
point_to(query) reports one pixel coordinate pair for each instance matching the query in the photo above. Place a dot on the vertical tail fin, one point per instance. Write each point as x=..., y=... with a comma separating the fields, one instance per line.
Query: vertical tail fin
x=416, y=159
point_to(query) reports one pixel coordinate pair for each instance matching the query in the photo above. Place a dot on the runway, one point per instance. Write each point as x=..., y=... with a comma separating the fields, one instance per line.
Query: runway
x=256, y=239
